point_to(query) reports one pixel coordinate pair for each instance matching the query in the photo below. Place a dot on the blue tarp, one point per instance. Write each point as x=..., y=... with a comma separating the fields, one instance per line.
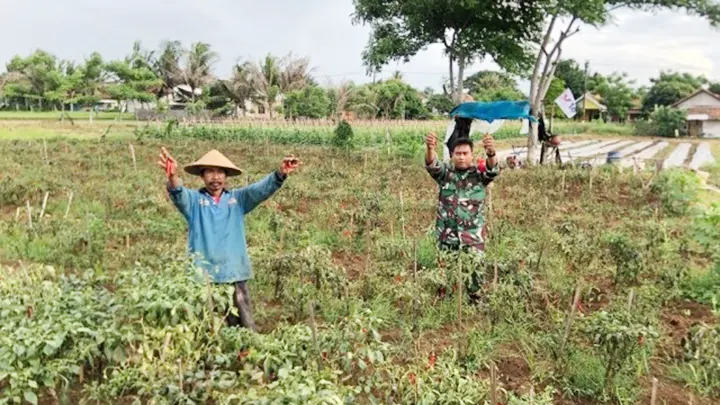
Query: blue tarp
x=495, y=110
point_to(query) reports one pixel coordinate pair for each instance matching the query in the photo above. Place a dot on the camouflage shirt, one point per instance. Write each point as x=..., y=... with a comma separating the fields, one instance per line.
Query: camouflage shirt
x=460, y=214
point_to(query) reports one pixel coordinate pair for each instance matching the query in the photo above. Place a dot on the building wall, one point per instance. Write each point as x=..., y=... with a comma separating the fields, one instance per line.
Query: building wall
x=702, y=99
x=711, y=129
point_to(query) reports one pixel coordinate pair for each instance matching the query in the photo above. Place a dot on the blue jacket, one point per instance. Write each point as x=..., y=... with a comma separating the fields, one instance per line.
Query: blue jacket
x=216, y=234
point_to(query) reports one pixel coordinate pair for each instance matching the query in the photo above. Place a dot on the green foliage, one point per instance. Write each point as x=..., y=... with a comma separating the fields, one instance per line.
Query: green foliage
x=701, y=367
x=669, y=88
x=487, y=85
x=617, y=94
x=628, y=260
x=677, y=190
x=572, y=74
x=557, y=86
x=343, y=137
x=310, y=102
x=664, y=121
x=617, y=337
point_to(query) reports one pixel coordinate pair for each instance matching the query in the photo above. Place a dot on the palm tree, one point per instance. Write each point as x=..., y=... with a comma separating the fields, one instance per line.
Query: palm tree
x=273, y=77
x=199, y=61
x=239, y=87
x=167, y=66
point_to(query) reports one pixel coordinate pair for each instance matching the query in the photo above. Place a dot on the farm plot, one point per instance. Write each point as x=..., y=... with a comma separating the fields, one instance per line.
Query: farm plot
x=595, y=282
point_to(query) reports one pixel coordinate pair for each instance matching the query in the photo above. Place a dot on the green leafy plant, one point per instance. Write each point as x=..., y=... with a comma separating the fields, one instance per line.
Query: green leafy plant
x=343, y=135
x=617, y=337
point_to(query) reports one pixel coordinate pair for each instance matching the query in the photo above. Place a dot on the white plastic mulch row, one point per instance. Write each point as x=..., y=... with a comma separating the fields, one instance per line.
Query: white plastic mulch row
x=702, y=156
x=678, y=156
x=599, y=150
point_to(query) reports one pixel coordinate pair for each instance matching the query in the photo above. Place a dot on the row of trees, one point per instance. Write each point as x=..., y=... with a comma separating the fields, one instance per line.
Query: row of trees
x=522, y=37
x=286, y=86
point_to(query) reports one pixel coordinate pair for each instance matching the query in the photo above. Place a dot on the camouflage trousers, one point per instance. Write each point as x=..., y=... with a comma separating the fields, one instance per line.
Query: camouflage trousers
x=477, y=275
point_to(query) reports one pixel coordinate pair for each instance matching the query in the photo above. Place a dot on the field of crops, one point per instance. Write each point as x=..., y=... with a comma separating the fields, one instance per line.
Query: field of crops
x=595, y=283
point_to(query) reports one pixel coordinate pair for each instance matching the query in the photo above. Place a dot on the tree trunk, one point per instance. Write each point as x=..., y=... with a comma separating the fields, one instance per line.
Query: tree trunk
x=461, y=73
x=452, y=77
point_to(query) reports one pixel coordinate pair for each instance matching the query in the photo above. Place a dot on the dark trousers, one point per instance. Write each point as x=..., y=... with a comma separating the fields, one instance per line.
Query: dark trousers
x=241, y=299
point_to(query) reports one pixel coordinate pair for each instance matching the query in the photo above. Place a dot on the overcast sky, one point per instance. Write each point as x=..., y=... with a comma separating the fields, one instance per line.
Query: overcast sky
x=640, y=44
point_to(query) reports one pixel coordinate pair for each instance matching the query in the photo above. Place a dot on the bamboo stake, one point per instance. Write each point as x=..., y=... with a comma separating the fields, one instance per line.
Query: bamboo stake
x=132, y=153
x=402, y=214
x=29, y=212
x=591, y=179
x=313, y=326
x=459, y=291
x=631, y=298
x=493, y=383
x=127, y=241
x=653, y=395
x=67, y=209
x=569, y=320
x=495, y=276
x=45, y=152
x=17, y=214
x=44, y=204
x=563, y=181
x=415, y=268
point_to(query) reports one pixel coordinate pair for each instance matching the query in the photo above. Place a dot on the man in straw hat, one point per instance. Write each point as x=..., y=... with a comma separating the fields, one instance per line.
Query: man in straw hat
x=216, y=220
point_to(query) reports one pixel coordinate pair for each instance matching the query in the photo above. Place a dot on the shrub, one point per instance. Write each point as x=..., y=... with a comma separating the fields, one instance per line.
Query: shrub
x=664, y=121
x=677, y=190
x=343, y=135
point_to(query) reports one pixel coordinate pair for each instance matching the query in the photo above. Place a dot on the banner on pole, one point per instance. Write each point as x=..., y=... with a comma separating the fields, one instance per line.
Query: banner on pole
x=567, y=103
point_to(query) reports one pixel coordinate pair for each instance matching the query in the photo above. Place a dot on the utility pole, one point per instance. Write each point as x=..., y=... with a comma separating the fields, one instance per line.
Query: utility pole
x=584, y=96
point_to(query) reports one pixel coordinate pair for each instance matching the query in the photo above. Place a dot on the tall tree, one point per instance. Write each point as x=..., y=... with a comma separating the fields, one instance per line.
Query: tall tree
x=167, y=66
x=617, y=93
x=197, y=72
x=669, y=88
x=572, y=74
x=595, y=13
x=468, y=30
x=35, y=77
x=488, y=85
x=273, y=77
x=239, y=87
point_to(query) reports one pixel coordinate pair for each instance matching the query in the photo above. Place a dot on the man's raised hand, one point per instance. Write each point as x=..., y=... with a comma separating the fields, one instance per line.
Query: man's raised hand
x=431, y=141
x=289, y=164
x=167, y=163
x=489, y=145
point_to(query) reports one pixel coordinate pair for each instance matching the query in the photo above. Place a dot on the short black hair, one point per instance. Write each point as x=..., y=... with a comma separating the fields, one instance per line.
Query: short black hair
x=460, y=142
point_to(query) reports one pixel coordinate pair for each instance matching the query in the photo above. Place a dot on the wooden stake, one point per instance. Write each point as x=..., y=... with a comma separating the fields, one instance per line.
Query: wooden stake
x=563, y=181
x=44, y=204
x=29, y=212
x=415, y=268
x=459, y=290
x=67, y=209
x=45, y=153
x=653, y=394
x=365, y=166
x=591, y=178
x=631, y=298
x=569, y=320
x=493, y=383
x=532, y=395
x=495, y=276
x=17, y=214
x=402, y=214
x=127, y=241
x=132, y=154
x=313, y=326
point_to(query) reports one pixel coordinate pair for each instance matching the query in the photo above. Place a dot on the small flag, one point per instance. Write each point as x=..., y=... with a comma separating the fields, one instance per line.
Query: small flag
x=567, y=103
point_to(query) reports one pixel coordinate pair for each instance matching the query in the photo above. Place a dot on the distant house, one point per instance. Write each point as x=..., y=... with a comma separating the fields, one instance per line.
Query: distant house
x=703, y=113
x=594, y=109
x=635, y=112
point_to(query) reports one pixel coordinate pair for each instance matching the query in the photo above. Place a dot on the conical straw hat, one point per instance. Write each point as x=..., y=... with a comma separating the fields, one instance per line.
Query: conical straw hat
x=213, y=159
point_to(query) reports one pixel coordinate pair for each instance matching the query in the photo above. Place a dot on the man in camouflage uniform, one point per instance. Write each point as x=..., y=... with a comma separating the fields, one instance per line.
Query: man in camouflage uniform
x=460, y=216
x=460, y=223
